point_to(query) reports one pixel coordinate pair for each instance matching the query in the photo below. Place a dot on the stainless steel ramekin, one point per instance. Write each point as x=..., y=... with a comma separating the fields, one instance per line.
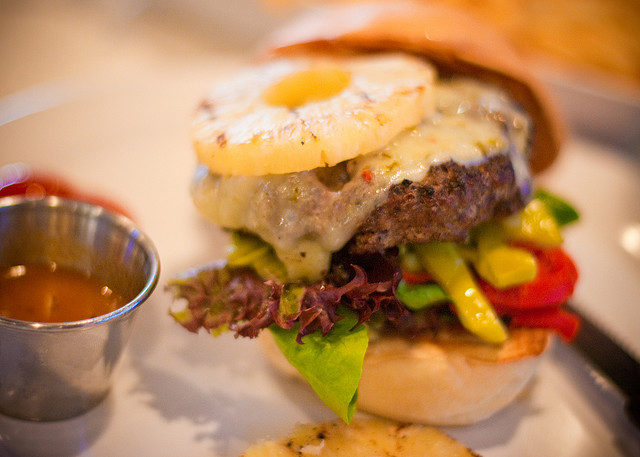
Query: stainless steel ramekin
x=52, y=371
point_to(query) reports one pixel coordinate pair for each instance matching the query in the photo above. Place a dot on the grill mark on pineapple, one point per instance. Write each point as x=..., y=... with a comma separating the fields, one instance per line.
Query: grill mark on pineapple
x=221, y=140
x=208, y=107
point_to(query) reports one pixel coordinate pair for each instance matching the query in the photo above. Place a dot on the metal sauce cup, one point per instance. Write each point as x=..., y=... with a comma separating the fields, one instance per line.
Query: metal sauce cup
x=52, y=371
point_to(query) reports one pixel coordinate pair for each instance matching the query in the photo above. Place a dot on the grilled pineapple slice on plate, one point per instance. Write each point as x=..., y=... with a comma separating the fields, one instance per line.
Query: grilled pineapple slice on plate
x=362, y=438
x=290, y=115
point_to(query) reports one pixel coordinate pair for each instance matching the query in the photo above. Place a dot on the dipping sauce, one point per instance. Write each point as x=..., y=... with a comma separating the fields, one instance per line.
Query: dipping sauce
x=49, y=293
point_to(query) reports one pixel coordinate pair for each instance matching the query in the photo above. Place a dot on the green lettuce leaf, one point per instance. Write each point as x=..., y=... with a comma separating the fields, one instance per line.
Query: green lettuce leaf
x=331, y=364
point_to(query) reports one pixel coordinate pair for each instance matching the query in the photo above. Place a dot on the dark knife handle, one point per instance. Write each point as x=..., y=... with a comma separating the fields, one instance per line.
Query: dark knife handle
x=612, y=360
x=632, y=408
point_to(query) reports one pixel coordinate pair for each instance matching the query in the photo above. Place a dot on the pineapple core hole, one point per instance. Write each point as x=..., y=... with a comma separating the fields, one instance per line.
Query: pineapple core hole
x=307, y=86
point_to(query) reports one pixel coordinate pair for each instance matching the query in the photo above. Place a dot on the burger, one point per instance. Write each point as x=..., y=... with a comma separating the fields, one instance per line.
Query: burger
x=374, y=169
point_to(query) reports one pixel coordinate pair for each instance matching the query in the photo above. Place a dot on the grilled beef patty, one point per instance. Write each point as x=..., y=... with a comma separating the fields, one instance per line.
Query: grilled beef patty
x=444, y=206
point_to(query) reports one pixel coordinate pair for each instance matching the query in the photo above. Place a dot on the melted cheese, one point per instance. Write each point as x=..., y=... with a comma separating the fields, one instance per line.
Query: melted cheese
x=306, y=221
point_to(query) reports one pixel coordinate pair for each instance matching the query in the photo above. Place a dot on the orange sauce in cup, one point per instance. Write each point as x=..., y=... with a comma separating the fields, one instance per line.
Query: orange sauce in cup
x=49, y=293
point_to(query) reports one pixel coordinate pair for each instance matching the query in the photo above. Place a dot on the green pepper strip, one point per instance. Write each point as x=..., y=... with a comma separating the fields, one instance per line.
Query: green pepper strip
x=445, y=263
x=420, y=296
x=562, y=210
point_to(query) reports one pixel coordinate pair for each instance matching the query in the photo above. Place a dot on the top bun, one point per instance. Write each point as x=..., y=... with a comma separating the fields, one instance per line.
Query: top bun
x=455, y=42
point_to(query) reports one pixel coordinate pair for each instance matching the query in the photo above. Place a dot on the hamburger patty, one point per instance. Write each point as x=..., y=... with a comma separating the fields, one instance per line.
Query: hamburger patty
x=444, y=206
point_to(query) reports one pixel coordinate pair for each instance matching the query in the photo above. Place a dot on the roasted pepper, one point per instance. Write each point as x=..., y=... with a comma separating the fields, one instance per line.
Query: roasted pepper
x=498, y=263
x=534, y=224
x=446, y=264
x=250, y=251
x=562, y=211
x=420, y=296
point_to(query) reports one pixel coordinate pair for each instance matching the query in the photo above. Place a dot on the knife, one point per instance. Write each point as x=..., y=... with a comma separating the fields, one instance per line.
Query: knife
x=611, y=360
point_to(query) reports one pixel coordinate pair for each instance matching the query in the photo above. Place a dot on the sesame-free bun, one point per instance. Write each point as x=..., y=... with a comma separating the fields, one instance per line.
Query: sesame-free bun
x=449, y=381
x=455, y=42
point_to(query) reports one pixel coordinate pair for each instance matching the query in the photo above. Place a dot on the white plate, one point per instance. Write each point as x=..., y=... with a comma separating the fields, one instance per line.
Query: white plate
x=124, y=135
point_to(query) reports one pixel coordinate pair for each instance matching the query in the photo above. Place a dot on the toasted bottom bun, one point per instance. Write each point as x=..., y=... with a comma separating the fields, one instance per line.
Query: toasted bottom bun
x=451, y=380
x=362, y=438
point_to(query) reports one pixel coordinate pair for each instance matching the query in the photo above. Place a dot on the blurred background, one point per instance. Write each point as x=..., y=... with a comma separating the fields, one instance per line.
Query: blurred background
x=587, y=51
x=600, y=35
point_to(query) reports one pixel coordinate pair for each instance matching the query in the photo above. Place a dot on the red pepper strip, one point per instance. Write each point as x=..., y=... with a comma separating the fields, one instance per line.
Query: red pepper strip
x=553, y=285
x=563, y=322
x=417, y=277
x=535, y=304
x=38, y=185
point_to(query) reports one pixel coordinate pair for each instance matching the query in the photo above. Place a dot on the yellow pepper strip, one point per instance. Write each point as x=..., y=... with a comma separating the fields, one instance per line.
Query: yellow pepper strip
x=250, y=251
x=534, y=224
x=445, y=263
x=409, y=261
x=502, y=265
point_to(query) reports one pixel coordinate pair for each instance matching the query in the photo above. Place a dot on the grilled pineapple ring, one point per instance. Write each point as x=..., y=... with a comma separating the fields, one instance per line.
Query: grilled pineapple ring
x=291, y=115
x=364, y=437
